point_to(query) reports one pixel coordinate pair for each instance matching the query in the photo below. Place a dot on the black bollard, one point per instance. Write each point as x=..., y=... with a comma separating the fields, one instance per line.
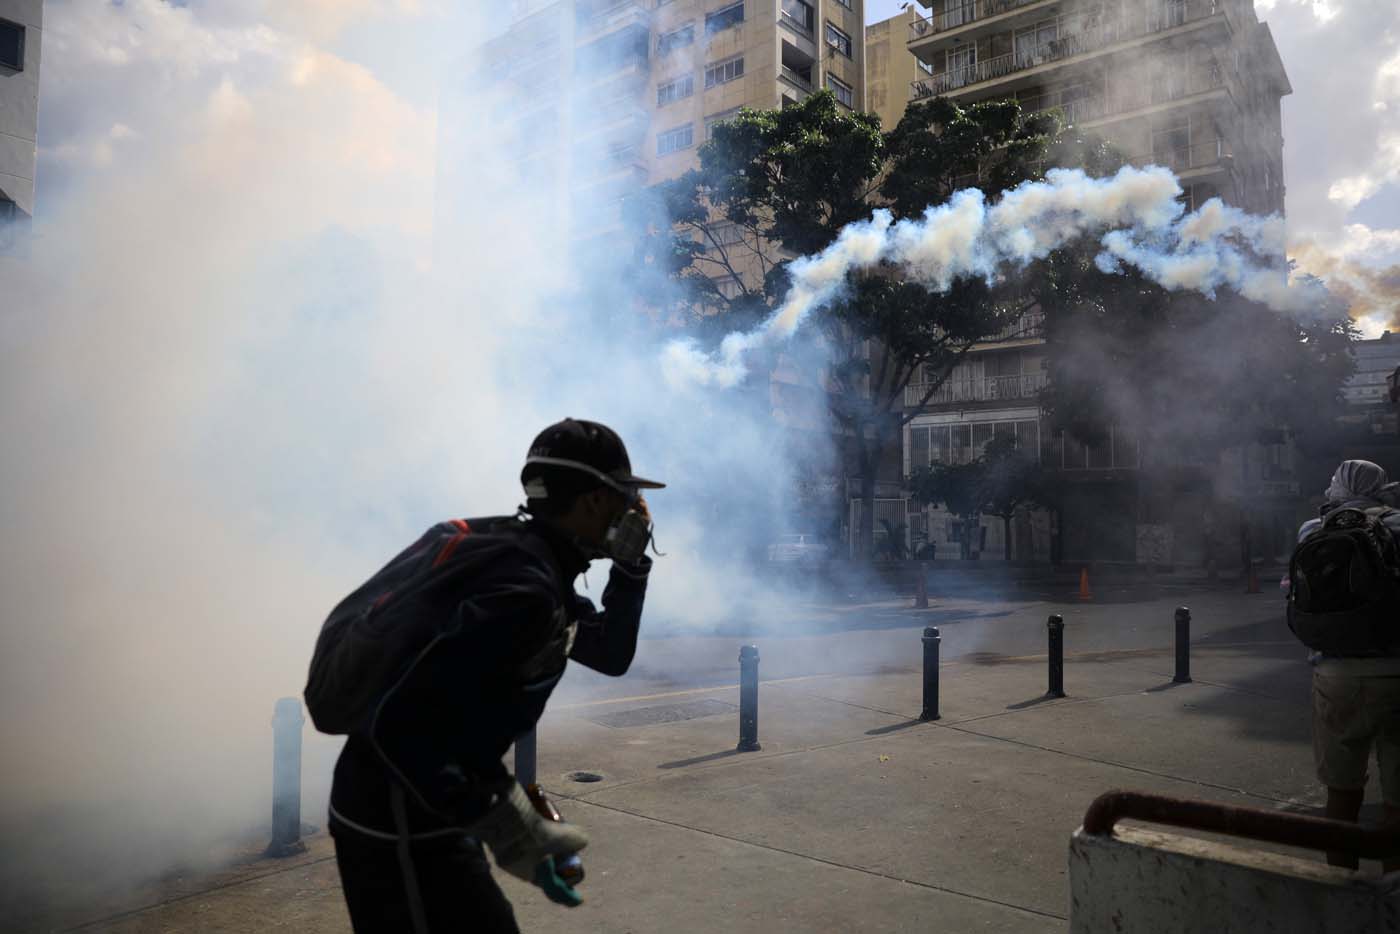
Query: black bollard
x=1183, y=646
x=932, y=642
x=525, y=772
x=286, y=778
x=1056, y=626
x=748, y=699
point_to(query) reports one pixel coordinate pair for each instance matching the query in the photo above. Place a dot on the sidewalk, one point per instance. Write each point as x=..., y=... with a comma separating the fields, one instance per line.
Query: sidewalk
x=854, y=816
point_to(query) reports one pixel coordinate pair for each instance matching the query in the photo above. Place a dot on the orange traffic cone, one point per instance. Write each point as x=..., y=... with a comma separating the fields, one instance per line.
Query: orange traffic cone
x=1084, y=593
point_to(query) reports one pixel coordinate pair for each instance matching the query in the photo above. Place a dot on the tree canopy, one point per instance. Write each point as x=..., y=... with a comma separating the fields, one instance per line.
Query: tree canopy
x=776, y=184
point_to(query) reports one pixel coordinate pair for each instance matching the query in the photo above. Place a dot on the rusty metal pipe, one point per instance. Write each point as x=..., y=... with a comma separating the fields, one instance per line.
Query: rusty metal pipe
x=1281, y=827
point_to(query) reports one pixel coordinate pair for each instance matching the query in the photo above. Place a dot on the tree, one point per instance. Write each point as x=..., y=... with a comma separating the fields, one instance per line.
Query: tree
x=1189, y=376
x=954, y=486
x=776, y=184
x=1003, y=481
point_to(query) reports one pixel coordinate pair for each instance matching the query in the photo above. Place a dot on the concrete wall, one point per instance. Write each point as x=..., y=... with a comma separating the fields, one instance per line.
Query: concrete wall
x=19, y=107
x=1145, y=882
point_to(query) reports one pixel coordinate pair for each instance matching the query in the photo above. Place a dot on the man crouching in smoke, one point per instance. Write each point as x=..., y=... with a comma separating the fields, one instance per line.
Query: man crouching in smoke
x=438, y=663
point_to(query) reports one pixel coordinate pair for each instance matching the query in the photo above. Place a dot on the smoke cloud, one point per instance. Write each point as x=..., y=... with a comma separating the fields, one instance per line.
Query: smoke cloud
x=276, y=317
x=1135, y=212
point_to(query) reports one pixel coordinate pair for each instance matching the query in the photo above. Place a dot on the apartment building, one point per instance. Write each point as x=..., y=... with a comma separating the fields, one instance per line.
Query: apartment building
x=21, y=26
x=1194, y=85
x=613, y=95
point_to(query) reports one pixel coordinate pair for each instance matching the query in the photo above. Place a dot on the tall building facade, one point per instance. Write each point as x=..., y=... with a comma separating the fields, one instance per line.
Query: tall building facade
x=613, y=95
x=1193, y=85
x=890, y=68
x=21, y=26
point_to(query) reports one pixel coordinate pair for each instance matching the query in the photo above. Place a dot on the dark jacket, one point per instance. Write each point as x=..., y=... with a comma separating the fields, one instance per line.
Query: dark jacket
x=442, y=731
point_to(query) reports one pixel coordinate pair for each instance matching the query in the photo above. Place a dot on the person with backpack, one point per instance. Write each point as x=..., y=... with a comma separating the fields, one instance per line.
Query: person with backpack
x=441, y=660
x=1344, y=603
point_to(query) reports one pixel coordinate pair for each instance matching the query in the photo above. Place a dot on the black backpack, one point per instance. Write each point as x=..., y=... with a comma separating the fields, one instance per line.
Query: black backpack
x=379, y=631
x=1345, y=585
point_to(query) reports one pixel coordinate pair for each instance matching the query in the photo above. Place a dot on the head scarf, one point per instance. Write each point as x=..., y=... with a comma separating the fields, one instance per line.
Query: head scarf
x=1356, y=480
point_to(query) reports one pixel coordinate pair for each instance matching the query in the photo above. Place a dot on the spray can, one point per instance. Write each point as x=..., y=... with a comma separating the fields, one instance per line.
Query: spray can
x=569, y=868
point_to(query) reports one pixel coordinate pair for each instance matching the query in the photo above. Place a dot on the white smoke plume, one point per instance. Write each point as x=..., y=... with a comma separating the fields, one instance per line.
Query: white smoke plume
x=1135, y=213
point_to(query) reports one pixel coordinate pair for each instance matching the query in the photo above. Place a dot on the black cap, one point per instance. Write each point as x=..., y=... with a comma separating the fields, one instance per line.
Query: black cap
x=576, y=447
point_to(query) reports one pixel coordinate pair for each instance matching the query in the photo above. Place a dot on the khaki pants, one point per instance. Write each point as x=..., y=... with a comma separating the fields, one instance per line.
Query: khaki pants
x=1351, y=715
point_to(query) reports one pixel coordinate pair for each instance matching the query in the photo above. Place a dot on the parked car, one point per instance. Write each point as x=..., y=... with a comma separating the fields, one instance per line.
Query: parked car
x=798, y=549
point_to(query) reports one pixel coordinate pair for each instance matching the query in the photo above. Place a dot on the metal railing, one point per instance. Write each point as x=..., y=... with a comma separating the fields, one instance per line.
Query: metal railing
x=602, y=19
x=987, y=389
x=1076, y=34
x=1025, y=327
x=796, y=19
x=1132, y=95
x=1194, y=156
x=796, y=77
x=957, y=14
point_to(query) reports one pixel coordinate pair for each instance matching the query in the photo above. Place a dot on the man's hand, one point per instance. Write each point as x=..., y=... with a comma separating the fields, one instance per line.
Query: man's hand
x=641, y=506
x=524, y=843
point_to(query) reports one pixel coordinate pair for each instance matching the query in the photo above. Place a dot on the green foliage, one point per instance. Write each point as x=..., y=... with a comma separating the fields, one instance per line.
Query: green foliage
x=776, y=184
x=1000, y=482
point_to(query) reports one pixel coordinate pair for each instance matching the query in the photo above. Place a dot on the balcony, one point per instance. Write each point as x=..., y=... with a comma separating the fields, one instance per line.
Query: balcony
x=601, y=18
x=1128, y=97
x=803, y=82
x=1205, y=154
x=1027, y=327
x=1023, y=388
x=1077, y=34
x=620, y=123
x=961, y=14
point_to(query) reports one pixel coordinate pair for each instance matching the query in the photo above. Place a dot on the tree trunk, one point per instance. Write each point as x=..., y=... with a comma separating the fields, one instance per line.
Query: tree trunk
x=1006, y=537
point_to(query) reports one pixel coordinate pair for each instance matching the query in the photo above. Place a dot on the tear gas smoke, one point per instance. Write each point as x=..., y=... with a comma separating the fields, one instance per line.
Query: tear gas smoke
x=280, y=312
x=1135, y=212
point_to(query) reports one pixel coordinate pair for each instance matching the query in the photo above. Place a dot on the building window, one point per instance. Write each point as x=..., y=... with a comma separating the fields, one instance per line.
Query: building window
x=842, y=90
x=798, y=13
x=838, y=40
x=1033, y=45
x=729, y=287
x=720, y=20
x=11, y=45
x=962, y=66
x=844, y=3
x=673, y=91
x=675, y=39
x=962, y=443
x=724, y=72
x=675, y=140
x=925, y=67
x=714, y=120
x=723, y=234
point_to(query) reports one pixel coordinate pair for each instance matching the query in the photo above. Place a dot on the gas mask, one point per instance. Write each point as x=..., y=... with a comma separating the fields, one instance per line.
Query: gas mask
x=628, y=534
x=627, y=537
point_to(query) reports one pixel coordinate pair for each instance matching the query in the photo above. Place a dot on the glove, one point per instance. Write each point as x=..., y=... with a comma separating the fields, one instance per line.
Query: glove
x=524, y=843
